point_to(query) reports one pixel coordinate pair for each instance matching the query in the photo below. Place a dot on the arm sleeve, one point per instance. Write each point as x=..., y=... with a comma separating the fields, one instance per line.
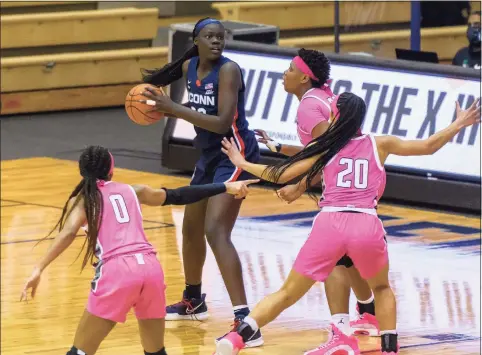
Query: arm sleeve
x=191, y=194
x=312, y=112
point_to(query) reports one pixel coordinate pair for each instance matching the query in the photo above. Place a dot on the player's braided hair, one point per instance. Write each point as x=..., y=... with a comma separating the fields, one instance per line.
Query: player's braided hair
x=352, y=110
x=319, y=65
x=171, y=71
x=94, y=164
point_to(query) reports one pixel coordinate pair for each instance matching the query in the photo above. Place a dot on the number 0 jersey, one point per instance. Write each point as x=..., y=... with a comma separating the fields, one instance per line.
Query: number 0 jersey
x=121, y=230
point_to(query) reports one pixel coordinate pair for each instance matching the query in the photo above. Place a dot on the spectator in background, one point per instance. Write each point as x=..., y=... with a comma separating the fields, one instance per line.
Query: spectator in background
x=469, y=57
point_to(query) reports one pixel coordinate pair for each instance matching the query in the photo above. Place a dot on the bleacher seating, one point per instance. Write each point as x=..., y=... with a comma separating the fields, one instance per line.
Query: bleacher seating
x=52, y=61
x=73, y=80
x=35, y=7
x=299, y=15
x=294, y=15
x=61, y=55
x=446, y=41
x=73, y=27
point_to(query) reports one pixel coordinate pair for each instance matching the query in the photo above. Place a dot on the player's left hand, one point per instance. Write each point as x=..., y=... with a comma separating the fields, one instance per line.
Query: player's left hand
x=231, y=150
x=32, y=283
x=290, y=193
x=158, y=101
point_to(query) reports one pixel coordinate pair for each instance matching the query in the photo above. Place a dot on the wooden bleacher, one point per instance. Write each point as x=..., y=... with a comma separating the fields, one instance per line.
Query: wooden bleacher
x=29, y=7
x=294, y=15
x=74, y=80
x=73, y=27
x=48, y=75
x=86, y=58
x=300, y=15
x=446, y=41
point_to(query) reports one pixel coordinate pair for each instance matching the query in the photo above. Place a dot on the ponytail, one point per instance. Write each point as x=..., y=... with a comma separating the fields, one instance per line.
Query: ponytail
x=93, y=206
x=172, y=71
x=96, y=165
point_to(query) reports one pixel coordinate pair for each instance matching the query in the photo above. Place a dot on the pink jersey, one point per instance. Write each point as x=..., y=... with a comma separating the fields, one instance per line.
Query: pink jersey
x=354, y=178
x=121, y=231
x=314, y=108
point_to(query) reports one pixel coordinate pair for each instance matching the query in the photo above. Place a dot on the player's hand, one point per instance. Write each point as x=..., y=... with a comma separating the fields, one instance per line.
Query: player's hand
x=231, y=150
x=263, y=136
x=158, y=101
x=32, y=283
x=239, y=188
x=470, y=116
x=290, y=193
x=267, y=140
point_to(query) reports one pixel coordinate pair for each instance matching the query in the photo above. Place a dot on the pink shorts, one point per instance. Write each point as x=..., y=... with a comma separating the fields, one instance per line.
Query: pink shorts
x=359, y=235
x=128, y=281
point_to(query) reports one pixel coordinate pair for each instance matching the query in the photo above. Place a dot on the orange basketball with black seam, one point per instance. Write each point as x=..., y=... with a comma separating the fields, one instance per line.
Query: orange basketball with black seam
x=139, y=112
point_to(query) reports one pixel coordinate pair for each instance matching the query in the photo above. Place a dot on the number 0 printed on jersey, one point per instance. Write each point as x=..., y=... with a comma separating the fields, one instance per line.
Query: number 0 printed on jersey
x=120, y=208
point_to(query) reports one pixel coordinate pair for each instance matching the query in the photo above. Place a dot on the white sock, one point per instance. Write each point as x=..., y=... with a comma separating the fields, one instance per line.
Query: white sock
x=383, y=332
x=368, y=301
x=252, y=323
x=342, y=322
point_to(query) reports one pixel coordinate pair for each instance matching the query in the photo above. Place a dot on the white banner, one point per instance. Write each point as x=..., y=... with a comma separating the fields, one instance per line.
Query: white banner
x=400, y=103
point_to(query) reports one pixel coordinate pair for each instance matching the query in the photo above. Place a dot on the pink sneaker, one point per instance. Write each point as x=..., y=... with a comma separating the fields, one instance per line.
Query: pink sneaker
x=338, y=343
x=231, y=344
x=366, y=324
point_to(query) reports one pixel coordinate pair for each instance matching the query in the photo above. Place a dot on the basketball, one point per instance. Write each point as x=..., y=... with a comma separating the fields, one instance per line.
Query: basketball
x=139, y=112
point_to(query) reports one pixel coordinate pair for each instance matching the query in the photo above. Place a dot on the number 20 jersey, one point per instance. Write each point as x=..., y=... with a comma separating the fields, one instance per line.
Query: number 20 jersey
x=354, y=178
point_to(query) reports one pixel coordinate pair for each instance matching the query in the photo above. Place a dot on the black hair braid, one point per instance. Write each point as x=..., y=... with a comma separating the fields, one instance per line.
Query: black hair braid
x=352, y=113
x=171, y=71
x=94, y=164
x=318, y=63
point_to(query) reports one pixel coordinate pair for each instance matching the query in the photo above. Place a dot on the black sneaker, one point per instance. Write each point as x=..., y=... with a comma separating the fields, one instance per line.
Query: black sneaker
x=255, y=341
x=193, y=309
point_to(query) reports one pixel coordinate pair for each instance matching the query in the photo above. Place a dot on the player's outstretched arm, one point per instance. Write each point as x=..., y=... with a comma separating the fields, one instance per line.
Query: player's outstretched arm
x=299, y=168
x=190, y=194
x=76, y=219
x=393, y=145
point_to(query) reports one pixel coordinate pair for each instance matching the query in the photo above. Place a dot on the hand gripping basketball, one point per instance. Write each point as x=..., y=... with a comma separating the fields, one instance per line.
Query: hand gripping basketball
x=140, y=110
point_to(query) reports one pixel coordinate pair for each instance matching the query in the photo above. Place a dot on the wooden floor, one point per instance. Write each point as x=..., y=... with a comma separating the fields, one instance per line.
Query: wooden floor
x=435, y=271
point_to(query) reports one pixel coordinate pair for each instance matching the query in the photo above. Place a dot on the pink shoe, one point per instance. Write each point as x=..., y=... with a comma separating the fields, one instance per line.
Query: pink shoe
x=231, y=344
x=338, y=344
x=366, y=324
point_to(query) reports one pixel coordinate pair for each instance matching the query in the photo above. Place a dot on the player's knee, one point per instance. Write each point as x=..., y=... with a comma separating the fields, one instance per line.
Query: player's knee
x=380, y=288
x=217, y=237
x=75, y=351
x=160, y=352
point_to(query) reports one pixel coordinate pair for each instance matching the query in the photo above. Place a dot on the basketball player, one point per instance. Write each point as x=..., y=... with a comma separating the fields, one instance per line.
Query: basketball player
x=128, y=273
x=353, y=175
x=216, y=109
x=306, y=78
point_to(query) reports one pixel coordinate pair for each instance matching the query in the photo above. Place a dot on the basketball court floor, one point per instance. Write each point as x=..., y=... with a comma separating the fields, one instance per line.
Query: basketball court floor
x=435, y=256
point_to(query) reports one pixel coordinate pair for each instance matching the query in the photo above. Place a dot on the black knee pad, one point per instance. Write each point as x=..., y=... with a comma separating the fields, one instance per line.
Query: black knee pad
x=345, y=261
x=75, y=351
x=160, y=352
